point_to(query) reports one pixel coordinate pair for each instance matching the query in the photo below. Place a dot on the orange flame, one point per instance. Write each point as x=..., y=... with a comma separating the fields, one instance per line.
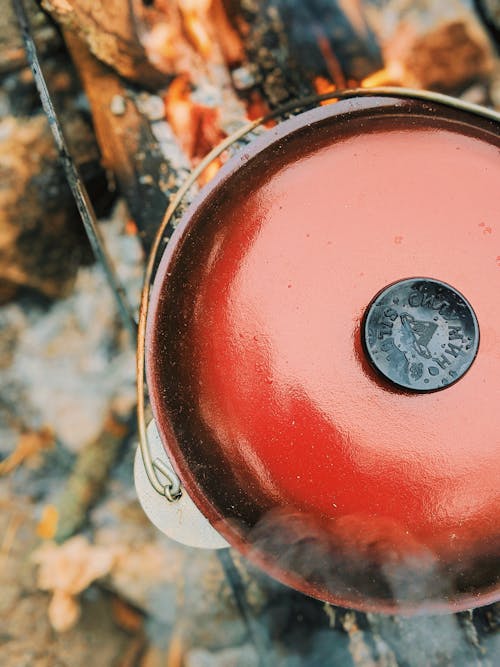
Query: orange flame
x=323, y=86
x=390, y=75
x=197, y=22
x=208, y=173
x=257, y=107
x=195, y=125
x=131, y=228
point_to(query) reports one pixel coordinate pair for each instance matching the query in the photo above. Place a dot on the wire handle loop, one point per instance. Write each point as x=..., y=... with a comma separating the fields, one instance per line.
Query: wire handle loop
x=173, y=491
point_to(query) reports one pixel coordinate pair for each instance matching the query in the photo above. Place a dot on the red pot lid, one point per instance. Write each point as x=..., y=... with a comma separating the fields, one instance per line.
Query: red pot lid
x=323, y=354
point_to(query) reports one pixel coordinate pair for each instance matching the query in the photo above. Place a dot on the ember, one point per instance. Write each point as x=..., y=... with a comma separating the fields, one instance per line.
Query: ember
x=195, y=125
x=323, y=86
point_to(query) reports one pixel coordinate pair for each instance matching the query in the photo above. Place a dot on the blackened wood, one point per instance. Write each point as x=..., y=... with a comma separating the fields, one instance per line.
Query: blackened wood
x=292, y=43
x=489, y=11
x=129, y=148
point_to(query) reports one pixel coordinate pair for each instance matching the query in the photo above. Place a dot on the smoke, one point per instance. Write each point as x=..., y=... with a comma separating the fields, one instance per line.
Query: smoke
x=367, y=562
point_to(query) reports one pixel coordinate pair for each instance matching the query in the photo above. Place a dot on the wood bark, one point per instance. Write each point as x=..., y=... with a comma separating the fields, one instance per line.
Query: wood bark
x=128, y=146
x=110, y=31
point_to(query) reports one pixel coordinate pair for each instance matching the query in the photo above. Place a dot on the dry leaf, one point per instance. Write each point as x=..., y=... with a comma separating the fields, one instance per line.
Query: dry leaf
x=29, y=445
x=64, y=611
x=13, y=525
x=67, y=570
x=126, y=617
x=72, y=566
x=154, y=656
x=175, y=657
x=47, y=526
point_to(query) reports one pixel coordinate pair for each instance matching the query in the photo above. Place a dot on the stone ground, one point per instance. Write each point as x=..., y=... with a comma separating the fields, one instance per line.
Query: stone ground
x=62, y=365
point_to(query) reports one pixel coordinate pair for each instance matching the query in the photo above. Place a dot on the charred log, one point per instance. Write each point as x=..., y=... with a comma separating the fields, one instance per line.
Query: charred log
x=110, y=32
x=125, y=135
x=293, y=44
x=489, y=12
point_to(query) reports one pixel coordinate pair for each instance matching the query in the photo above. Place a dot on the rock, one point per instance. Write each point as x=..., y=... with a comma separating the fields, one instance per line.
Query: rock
x=433, y=45
x=177, y=587
x=241, y=656
x=42, y=241
x=41, y=238
x=152, y=106
x=26, y=637
x=63, y=366
x=67, y=352
x=117, y=105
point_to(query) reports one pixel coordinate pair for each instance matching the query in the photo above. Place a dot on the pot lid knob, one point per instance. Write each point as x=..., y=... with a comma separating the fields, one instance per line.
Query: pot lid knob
x=420, y=334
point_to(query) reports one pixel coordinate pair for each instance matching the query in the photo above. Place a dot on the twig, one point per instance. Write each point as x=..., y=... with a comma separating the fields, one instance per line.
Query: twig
x=254, y=628
x=88, y=479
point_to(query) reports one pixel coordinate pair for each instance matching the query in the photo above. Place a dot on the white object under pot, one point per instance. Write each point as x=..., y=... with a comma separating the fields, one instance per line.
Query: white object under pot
x=180, y=520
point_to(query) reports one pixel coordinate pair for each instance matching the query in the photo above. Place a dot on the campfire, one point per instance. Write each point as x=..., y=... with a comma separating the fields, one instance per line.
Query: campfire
x=144, y=91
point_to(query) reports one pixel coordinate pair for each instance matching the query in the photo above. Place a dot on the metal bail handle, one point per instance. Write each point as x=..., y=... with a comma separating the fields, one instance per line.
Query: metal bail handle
x=181, y=520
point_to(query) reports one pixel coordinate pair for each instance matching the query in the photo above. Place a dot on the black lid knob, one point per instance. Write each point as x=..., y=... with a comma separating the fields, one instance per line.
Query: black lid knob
x=420, y=334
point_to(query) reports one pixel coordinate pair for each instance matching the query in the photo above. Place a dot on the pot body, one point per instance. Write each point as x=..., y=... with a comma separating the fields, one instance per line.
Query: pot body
x=299, y=452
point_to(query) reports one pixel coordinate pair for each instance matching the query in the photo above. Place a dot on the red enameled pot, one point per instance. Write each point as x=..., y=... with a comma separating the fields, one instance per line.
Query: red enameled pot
x=323, y=354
